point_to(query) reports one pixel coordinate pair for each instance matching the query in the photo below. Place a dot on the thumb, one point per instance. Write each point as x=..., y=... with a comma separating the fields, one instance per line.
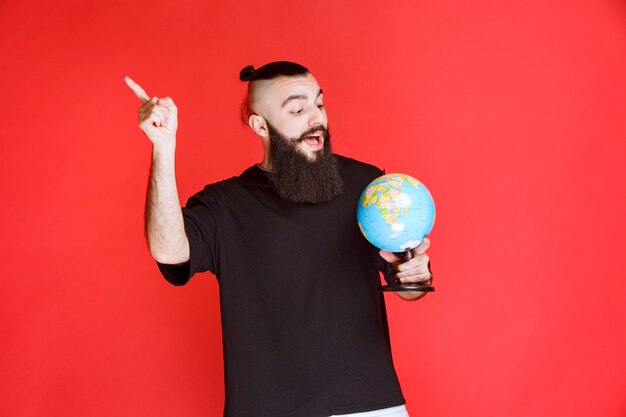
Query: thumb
x=422, y=247
x=389, y=256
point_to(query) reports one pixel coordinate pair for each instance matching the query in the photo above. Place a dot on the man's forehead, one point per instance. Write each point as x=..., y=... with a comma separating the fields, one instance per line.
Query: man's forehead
x=269, y=96
x=281, y=88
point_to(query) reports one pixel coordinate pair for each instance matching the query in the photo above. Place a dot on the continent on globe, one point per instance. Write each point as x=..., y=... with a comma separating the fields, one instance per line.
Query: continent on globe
x=395, y=212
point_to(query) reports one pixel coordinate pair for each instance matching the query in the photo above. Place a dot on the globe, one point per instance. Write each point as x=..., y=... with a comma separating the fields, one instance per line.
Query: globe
x=395, y=212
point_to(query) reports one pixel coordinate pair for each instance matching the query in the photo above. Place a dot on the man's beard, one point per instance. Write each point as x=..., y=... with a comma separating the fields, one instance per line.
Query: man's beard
x=298, y=179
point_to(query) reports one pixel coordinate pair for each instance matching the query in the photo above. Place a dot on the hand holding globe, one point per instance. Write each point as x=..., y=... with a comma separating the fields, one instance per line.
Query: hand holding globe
x=413, y=272
x=395, y=213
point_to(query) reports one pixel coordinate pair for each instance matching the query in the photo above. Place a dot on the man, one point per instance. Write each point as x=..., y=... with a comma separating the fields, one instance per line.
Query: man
x=304, y=326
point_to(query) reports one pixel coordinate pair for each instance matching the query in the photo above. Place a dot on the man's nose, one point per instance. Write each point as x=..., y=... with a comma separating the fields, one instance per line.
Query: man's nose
x=317, y=117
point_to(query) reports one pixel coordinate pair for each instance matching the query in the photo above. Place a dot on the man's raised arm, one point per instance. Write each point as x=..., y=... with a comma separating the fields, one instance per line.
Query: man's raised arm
x=165, y=230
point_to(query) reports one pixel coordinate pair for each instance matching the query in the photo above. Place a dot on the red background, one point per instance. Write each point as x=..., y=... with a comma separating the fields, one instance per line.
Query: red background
x=512, y=113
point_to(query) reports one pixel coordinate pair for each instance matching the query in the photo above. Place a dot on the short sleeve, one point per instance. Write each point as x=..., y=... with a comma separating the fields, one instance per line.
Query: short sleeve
x=200, y=221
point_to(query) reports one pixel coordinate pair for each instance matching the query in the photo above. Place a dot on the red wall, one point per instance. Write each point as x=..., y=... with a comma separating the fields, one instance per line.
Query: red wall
x=512, y=113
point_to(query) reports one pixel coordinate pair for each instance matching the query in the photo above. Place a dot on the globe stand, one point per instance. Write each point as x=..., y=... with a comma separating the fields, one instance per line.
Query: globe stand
x=399, y=287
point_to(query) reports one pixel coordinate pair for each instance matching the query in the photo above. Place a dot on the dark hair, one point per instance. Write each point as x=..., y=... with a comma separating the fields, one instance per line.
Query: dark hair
x=272, y=70
x=266, y=72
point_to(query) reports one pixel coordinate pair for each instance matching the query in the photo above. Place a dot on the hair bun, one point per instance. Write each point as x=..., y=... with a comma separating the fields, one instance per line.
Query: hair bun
x=247, y=73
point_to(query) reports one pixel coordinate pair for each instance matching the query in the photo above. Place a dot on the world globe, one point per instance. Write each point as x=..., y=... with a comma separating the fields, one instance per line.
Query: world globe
x=395, y=212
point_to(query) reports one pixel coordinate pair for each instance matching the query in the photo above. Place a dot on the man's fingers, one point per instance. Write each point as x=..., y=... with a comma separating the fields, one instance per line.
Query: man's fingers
x=168, y=103
x=413, y=263
x=421, y=249
x=418, y=278
x=160, y=111
x=139, y=92
x=389, y=256
x=419, y=270
x=150, y=106
x=152, y=120
x=156, y=119
x=156, y=115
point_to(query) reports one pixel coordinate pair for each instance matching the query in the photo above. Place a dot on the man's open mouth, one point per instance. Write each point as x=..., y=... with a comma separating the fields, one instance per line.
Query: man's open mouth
x=314, y=140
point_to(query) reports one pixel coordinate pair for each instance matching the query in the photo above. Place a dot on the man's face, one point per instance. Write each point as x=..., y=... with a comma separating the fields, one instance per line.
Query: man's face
x=295, y=108
x=304, y=167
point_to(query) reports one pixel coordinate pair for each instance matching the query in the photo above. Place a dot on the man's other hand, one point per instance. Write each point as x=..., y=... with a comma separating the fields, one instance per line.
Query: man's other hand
x=413, y=271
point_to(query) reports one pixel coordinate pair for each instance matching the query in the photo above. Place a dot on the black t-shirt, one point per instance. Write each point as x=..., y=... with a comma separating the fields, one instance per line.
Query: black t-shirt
x=304, y=326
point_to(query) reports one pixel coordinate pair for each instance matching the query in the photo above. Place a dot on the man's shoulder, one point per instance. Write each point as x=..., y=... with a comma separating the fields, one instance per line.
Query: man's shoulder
x=355, y=166
x=231, y=184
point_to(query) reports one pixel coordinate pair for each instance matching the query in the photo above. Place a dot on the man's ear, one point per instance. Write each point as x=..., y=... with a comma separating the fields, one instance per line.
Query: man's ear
x=258, y=125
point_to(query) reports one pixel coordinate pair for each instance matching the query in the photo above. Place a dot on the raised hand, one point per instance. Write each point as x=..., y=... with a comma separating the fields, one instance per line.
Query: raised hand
x=165, y=230
x=158, y=117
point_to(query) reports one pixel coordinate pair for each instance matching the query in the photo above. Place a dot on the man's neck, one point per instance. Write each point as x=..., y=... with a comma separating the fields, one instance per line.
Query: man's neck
x=265, y=167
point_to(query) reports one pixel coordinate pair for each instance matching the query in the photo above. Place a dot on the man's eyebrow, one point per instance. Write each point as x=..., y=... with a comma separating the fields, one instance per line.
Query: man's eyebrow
x=299, y=97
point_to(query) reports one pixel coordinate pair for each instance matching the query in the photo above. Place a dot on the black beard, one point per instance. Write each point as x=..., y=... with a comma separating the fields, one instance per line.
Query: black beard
x=298, y=179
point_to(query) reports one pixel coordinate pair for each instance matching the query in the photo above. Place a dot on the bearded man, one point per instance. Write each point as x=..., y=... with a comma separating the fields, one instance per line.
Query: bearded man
x=304, y=325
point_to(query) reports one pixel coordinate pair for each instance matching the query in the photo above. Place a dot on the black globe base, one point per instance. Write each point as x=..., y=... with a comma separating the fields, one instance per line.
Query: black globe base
x=405, y=287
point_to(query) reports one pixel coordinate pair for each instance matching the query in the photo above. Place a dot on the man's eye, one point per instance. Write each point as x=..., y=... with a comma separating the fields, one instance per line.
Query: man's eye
x=296, y=111
x=320, y=106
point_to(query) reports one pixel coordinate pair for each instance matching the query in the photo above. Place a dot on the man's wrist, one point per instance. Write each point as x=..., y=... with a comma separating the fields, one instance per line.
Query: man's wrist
x=164, y=151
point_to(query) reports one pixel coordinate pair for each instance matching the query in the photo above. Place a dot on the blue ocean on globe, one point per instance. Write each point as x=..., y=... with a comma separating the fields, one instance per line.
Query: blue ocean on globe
x=395, y=212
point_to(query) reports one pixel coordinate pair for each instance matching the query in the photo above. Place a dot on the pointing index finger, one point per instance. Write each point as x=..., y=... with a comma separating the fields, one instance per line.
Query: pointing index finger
x=139, y=92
